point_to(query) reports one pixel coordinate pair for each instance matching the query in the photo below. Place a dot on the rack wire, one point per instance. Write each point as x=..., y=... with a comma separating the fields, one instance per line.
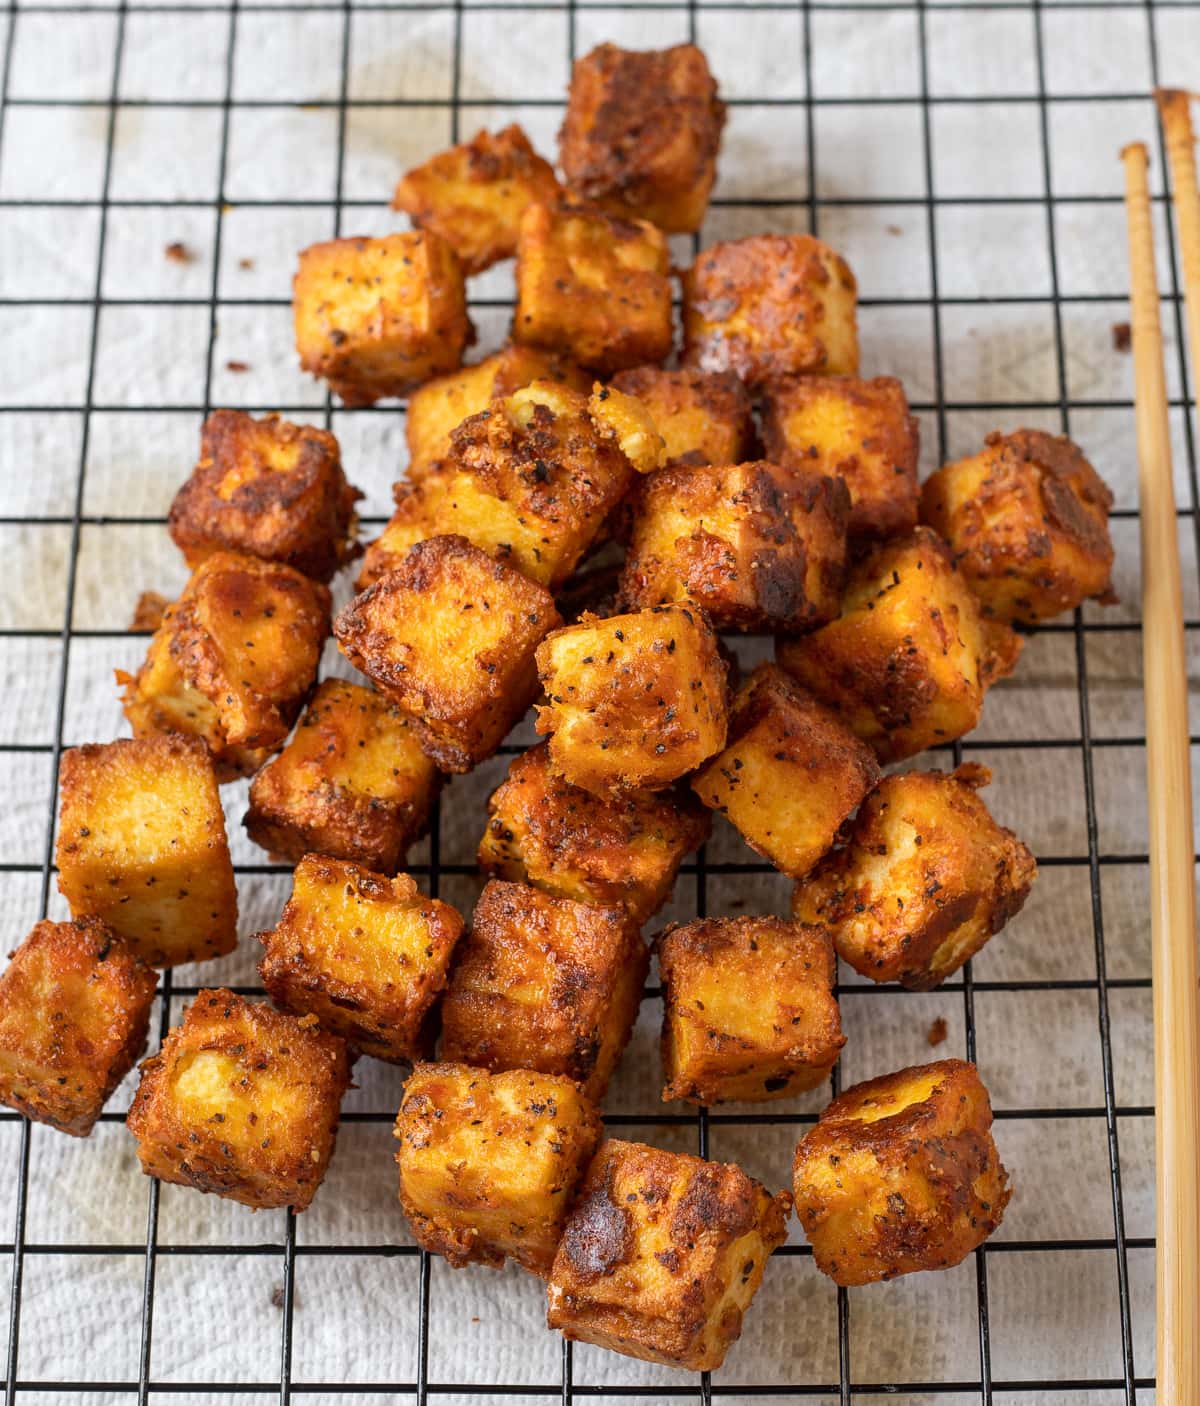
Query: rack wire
x=1116, y=1258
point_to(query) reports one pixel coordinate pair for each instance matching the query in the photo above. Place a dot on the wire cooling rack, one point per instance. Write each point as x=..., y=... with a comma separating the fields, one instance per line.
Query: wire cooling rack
x=963, y=157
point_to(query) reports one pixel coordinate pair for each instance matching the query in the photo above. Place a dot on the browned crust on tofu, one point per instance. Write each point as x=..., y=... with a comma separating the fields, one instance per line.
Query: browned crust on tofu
x=268, y=488
x=705, y=417
x=258, y=1123
x=74, y=1014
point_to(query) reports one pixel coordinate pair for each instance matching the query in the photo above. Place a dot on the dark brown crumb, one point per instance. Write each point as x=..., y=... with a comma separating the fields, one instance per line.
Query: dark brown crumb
x=179, y=253
x=938, y=1031
x=1122, y=336
x=239, y=366
x=277, y=1297
x=245, y=263
x=148, y=613
x=894, y=230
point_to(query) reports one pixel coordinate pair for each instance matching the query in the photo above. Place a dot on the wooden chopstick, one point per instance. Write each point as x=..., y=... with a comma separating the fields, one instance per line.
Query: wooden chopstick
x=1172, y=880
x=1174, y=108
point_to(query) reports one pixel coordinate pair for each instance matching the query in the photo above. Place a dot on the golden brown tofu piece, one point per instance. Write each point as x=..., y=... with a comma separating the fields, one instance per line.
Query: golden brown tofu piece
x=791, y=774
x=489, y=1163
x=624, y=420
x=606, y=850
x=545, y=983
x=908, y=661
x=748, y=1009
x=376, y=317
x=1027, y=521
x=441, y=405
x=242, y=1101
x=591, y=286
x=759, y=546
x=352, y=783
x=365, y=954
x=860, y=431
x=924, y=877
x=474, y=194
x=642, y=132
x=662, y=1255
x=450, y=635
x=416, y=509
x=232, y=661
x=74, y=1013
x=270, y=489
x=530, y=480
x=142, y=847
x=635, y=701
x=704, y=418
x=770, y=305
x=901, y=1174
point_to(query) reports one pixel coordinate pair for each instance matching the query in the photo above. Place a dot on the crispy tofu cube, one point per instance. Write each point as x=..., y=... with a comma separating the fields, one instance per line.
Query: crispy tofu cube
x=704, y=419
x=924, y=878
x=242, y=1101
x=642, y=132
x=270, y=489
x=441, y=405
x=901, y=1174
x=791, y=774
x=545, y=983
x=74, y=1013
x=770, y=305
x=232, y=661
x=413, y=521
x=449, y=636
x=759, y=546
x=353, y=783
x=489, y=1163
x=662, y=1255
x=474, y=194
x=606, y=850
x=1027, y=521
x=142, y=847
x=860, y=431
x=376, y=317
x=908, y=661
x=635, y=701
x=628, y=423
x=365, y=954
x=748, y=1009
x=593, y=287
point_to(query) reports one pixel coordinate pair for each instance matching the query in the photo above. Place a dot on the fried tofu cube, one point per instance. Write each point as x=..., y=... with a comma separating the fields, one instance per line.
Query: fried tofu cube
x=449, y=636
x=748, y=1009
x=860, y=431
x=759, y=546
x=627, y=422
x=412, y=522
x=142, y=847
x=662, y=1255
x=1027, y=521
x=791, y=774
x=232, y=661
x=74, y=1014
x=352, y=783
x=901, y=1174
x=908, y=661
x=365, y=954
x=704, y=418
x=489, y=1163
x=925, y=876
x=635, y=701
x=242, y=1101
x=270, y=489
x=596, y=288
x=642, y=132
x=770, y=305
x=474, y=194
x=545, y=983
x=441, y=405
x=376, y=317
x=606, y=850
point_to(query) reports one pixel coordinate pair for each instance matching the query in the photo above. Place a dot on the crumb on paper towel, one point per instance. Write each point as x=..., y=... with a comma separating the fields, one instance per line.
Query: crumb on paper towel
x=148, y=613
x=894, y=230
x=277, y=1296
x=1122, y=336
x=179, y=253
x=240, y=367
x=937, y=1031
x=245, y=264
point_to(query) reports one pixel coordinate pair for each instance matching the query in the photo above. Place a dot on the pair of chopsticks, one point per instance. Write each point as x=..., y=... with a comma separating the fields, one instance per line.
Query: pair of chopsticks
x=1172, y=877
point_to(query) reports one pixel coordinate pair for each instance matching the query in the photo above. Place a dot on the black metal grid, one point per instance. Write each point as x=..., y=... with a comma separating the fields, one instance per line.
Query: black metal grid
x=982, y=1384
